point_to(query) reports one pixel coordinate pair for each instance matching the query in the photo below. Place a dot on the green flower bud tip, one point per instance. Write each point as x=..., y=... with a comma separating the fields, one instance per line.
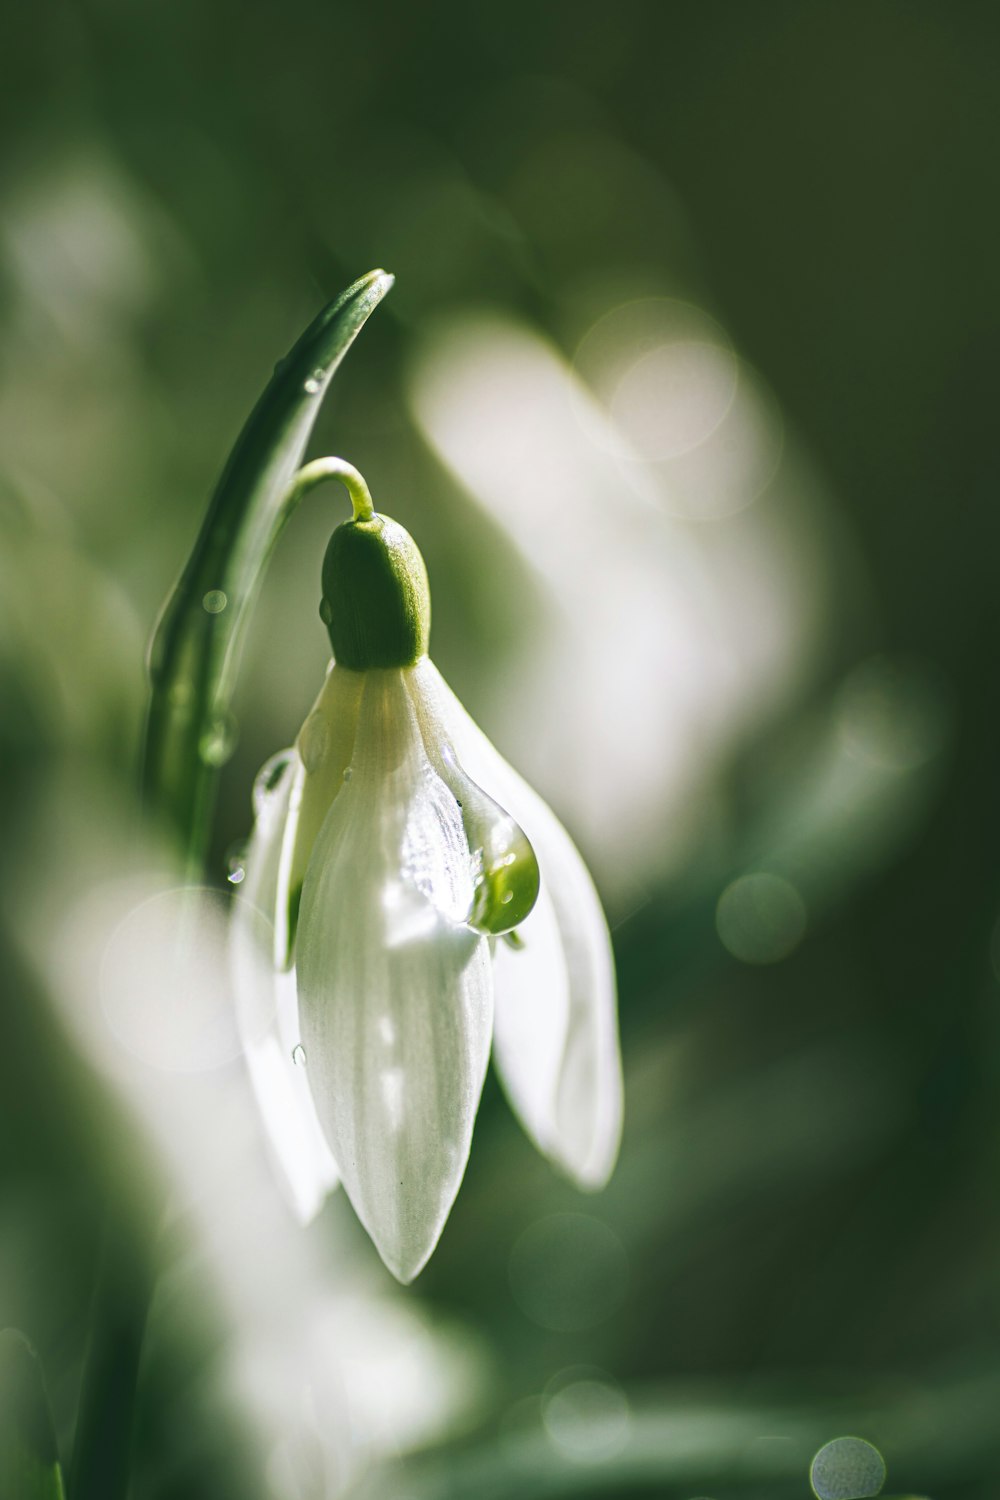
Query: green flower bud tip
x=376, y=601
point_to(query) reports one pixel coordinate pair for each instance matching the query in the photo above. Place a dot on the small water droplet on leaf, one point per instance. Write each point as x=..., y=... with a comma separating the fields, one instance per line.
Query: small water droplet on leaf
x=219, y=741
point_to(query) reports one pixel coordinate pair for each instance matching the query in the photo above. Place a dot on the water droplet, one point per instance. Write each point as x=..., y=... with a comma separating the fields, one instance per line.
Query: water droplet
x=315, y=383
x=348, y=773
x=326, y=611
x=506, y=898
x=269, y=778
x=219, y=741
x=236, y=864
x=214, y=602
x=314, y=741
x=299, y=1055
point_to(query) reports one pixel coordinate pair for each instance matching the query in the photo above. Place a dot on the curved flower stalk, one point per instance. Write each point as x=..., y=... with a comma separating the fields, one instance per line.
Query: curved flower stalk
x=402, y=882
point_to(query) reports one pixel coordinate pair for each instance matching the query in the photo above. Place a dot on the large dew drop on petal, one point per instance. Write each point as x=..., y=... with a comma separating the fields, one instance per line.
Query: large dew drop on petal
x=505, y=870
x=556, y=1032
x=267, y=1012
x=395, y=991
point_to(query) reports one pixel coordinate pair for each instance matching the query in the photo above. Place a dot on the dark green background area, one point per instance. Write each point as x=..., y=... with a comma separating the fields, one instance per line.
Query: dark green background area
x=826, y=185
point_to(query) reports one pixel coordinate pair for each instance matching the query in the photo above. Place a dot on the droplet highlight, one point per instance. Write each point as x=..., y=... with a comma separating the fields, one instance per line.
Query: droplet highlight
x=236, y=864
x=269, y=778
x=219, y=741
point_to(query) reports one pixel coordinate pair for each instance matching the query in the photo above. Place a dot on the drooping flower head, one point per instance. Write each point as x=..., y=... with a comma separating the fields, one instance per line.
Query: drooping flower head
x=402, y=881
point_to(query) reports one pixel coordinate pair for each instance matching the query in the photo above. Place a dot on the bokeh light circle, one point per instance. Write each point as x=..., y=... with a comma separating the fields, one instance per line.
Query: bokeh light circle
x=586, y=1415
x=568, y=1272
x=674, y=396
x=847, y=1468
x=892, y=713
x=664, y=370
x=760, y=918
x=676, y=399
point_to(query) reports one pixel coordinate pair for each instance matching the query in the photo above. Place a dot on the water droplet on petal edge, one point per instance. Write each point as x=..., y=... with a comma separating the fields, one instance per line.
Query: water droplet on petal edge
x=269, y=778
x=236, y=864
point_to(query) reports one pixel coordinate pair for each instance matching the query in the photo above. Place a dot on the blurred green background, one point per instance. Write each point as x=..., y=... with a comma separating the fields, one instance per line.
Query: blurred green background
x=686, y=388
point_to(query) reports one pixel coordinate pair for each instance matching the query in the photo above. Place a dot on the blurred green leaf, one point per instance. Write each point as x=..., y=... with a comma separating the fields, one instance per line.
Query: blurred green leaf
x=29, y=1459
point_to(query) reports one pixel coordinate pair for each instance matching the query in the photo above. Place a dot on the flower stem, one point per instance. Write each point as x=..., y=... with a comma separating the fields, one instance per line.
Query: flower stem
x=322, y=469
x=189, y=736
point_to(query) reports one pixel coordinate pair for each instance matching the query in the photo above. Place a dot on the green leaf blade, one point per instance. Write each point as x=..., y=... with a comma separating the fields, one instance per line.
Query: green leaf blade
x=197, y=645
x=29, y=1457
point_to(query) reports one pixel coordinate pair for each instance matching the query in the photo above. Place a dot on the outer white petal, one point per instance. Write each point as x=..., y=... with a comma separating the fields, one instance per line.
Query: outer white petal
x=267, y=1014
x=395, y=992
x=556, y=1034
x=323, y=748
x=532, y=1022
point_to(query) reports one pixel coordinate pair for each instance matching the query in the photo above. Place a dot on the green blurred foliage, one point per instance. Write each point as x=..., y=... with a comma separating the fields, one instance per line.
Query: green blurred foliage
x=804, y=1226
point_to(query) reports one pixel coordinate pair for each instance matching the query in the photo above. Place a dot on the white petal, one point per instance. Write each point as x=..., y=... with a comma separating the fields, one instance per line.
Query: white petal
x=267, y=1014
x=395, y=993
x=323, y=748
x=532, y=1021
x=562, y=1069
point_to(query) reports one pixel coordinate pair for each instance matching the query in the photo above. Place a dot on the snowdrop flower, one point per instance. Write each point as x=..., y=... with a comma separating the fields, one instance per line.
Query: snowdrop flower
x=402, y=881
